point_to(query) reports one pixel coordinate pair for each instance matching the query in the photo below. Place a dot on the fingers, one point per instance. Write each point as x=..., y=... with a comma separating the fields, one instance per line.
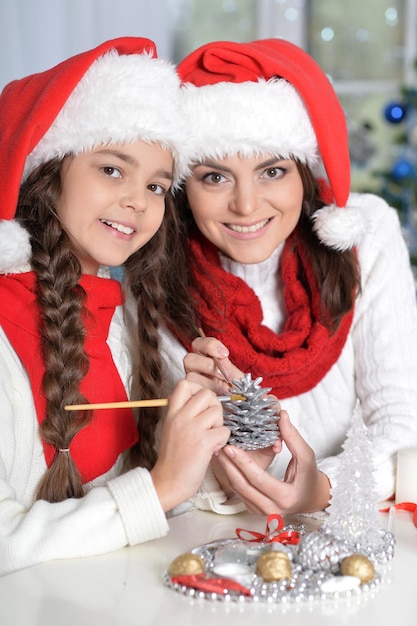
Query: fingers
x=187, y=390
x=208, y=354
x=246, y=479
x=210, y=346
x=295, y=443
x=200, y=407
x=203, y=370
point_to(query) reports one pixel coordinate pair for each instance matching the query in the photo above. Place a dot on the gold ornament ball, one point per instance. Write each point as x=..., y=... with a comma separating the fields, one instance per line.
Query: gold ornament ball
x=358, y=565
x=187, y=564
x=274, y=565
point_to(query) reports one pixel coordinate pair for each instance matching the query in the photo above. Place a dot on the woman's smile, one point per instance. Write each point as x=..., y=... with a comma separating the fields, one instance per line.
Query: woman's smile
x=246, y=207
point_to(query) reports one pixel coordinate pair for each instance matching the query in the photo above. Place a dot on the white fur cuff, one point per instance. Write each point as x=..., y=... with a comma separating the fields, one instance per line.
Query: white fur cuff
x=15, y=249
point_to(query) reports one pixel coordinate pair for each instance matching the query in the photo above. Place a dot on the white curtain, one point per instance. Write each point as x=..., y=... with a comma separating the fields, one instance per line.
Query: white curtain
x=37, y=34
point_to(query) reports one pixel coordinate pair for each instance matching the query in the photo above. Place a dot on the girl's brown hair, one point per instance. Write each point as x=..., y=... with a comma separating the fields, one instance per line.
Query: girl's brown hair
x=154, y=276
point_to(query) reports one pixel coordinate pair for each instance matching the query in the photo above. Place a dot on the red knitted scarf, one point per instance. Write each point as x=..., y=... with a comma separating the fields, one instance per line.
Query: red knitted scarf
x=96, y=447
x=291, y=362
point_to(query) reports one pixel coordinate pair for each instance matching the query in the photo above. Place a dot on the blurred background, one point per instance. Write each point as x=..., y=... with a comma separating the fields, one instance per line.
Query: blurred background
x=368, y=48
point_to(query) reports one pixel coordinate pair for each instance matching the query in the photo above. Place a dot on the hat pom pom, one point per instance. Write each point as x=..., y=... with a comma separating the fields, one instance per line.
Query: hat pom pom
x=15, y=248
x=340, y=228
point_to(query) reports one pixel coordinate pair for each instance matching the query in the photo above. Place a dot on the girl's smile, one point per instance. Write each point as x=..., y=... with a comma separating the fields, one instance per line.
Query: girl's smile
x=113, y=200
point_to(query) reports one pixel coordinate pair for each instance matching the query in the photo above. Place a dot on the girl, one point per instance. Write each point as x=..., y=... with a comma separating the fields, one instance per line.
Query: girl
x=87, y=159
x=299, y=281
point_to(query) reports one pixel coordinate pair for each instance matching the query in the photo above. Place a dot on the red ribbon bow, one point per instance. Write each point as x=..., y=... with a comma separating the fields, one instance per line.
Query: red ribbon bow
x=274, y=524
x=404, y=506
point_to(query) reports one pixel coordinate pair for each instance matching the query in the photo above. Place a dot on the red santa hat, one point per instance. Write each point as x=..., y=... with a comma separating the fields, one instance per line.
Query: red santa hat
x=271, y=97
x=118, y=92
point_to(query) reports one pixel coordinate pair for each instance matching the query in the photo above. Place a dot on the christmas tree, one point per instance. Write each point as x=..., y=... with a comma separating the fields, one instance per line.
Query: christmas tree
x=399, y=181
x=353, y=510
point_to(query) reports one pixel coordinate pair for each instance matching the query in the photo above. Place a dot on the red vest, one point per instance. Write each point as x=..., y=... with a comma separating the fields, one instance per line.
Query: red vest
x=96, y=447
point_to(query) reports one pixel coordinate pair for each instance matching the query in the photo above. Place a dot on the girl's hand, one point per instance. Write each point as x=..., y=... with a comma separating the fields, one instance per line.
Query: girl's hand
x=304, y=488
x=200, y=365
x=192, y=432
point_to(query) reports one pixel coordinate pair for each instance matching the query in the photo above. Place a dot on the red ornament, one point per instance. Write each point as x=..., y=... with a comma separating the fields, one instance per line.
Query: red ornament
x=211, y=585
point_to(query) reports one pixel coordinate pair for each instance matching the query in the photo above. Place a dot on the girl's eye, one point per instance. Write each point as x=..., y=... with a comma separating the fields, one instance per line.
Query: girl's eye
x=159, y=190
x=111, y=171
x=214, y=178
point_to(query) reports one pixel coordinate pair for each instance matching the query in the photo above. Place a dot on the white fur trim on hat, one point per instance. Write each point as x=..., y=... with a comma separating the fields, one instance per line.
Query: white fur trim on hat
x=340, y=228
x=120, y=99
x=15, y=248
x=264, y=117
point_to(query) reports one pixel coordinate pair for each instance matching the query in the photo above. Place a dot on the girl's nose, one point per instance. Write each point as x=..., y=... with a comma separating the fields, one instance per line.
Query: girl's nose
x=134, y=197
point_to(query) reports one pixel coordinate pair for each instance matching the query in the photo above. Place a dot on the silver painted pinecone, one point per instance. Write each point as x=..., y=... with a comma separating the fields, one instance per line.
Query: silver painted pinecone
x=321, y=551
x=253, y=422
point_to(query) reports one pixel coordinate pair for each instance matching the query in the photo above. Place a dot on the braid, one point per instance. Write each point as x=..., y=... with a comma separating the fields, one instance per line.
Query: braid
x=158, y=276
x=143, y=275
x=62, y=332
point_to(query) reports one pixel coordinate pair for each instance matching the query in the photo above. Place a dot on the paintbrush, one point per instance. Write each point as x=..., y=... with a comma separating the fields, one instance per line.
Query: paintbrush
x=139, y=403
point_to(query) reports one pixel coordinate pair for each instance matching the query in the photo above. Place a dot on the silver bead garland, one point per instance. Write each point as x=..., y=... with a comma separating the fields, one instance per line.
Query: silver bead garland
x=315, y=563
x=254, y=421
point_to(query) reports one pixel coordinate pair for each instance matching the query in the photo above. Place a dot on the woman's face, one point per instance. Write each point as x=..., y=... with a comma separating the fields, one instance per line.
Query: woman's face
x=245, y=206
x=113, y=200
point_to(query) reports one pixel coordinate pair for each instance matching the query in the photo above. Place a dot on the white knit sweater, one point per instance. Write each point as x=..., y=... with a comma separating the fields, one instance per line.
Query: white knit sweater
x=378, y=364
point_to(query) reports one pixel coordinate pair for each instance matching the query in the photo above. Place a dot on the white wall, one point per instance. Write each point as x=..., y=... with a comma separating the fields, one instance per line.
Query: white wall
x=37, y=34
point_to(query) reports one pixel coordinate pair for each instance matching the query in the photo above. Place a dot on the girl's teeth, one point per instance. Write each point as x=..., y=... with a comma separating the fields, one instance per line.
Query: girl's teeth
x=248, y=229
x=122, y=229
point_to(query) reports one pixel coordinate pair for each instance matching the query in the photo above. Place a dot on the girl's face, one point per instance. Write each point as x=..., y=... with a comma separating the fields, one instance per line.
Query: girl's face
x=245, y=206
x=113, y=200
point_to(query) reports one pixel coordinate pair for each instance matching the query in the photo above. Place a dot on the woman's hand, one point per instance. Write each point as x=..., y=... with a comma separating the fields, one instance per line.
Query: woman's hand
x=200, y=365
x=304, y=489
x=192, y=432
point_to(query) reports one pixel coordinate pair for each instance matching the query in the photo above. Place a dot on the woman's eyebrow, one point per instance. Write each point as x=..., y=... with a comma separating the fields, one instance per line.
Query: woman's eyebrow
x=213, y=164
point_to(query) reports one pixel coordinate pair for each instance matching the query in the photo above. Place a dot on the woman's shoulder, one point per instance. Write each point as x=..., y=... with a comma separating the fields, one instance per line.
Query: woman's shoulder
x=377, y=213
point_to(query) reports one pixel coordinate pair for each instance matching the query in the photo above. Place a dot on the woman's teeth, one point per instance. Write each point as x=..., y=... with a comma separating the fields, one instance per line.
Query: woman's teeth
x=248, y=229
x=122, y=229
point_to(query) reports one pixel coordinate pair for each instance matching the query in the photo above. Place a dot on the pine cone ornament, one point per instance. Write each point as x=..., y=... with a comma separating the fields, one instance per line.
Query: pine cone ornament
x=320, y=551
x=254, y=421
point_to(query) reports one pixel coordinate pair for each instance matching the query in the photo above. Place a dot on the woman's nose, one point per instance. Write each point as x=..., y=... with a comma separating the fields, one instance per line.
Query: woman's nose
x=244, y=199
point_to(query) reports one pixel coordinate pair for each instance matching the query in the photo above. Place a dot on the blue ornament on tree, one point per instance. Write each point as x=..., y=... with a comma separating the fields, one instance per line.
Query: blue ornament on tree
x=395, y=112
x=402, y=169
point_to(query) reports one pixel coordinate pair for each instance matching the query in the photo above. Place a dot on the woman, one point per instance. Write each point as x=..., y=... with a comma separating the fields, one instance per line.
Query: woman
x=294, y=279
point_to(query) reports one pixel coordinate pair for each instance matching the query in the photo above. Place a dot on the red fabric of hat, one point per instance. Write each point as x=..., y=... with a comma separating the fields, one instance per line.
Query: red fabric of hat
x=239, y=62
x=30, y=105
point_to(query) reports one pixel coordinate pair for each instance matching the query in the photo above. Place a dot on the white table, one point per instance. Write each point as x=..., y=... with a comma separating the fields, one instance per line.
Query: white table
x=125, y=588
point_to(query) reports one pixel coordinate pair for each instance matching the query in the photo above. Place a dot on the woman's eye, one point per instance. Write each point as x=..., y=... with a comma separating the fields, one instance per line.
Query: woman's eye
x=213, y=178
x=273, y=172
x=111, y=171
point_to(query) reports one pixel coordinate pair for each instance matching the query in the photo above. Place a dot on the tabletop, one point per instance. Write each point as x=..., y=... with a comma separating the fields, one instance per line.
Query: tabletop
x=126, y=588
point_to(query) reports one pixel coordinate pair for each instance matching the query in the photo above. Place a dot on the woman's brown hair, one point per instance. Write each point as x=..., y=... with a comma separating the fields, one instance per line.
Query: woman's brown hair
x=154, y=276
